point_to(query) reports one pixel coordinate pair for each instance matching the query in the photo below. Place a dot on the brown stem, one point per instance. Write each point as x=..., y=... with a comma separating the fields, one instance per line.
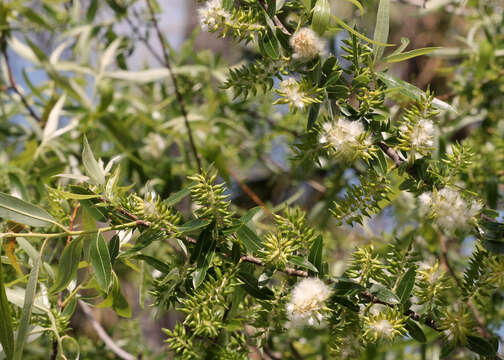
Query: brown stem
x=250, y=193
x=413, y=315
x=13, y=86
x=178, y=94
x=72, y=220
x=276, y=20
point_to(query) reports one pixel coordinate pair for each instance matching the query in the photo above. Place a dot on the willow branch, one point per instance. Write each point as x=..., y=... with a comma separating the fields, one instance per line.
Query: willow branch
x=178, y=94
x=13, y=86
x=413, y=315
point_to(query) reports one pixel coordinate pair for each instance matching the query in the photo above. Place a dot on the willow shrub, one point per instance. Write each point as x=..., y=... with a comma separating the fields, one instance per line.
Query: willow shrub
x=375, y=232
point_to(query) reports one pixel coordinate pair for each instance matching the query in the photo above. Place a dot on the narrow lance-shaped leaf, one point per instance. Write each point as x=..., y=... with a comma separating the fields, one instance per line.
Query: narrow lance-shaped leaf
x=17, y=210
x=6, y=334
x=92, y=168
x=249, y=238
x=53, y=119
x=411, y=91
x=203, y=254
x=321, y=16
x=384, y=294
x=409, y=54
x=406, y=284
x=315, y=256
x=302, y=262
x=68, y=264
x=415, y=331
x=356, y=33
x=100, y=260
x=31, y=290
x=382, y=27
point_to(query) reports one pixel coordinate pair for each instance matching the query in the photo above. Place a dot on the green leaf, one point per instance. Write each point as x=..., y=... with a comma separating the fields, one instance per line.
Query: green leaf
x=145, y=239
x=381, y=31
x=100, y=260
x=227, y=5
x=415, y=331
x=480, y=345
x=345, y=302
x=384, y=294
x=91, y=12
x=495, y=247
x=404, y=43
x=321, y=16
x=192, y=226
x=315, y=256
x=155, y=263
x=34, y=17
x=6, y=332
x=71, y=196
x=269, y=45
x=29, y=298
x=491, y=230
x=68, y=265
x=245, y=219
x=113, y=246
x=249, y=238
x=251, y=285
x=406, y=284
x=92, y=168
x=411, y=91
x=393, y=58
x=344, y=286
x=313, y=115
x=12, y=208
x=53, y=119
x=179, y=195
x=116, y=299
x=203, y=254
x=302, y=262
x=271, y=8
x=356, y=33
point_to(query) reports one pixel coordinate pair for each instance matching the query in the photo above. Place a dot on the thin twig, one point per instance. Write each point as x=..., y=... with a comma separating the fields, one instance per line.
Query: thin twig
x=413, y=315
x=178, y=94
x=13, y=86
x=276, y=20
x=144, y=39
x=250, y=193
x=116, y=349
x=72, y=220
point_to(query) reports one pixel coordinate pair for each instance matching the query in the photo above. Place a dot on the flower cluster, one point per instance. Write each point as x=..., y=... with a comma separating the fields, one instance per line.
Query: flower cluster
x=450, y=210
x=307, y=44
x=420, y=135
x=431, y=286
x=296, y=94
x=384, y=325
x=291, y=90
x=308, y=301
x=457, y=323
x=344, y=136
x=213, y=15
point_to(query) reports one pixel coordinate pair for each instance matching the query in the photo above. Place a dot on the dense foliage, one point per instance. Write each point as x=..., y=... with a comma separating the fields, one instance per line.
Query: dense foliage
x=305, y=203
